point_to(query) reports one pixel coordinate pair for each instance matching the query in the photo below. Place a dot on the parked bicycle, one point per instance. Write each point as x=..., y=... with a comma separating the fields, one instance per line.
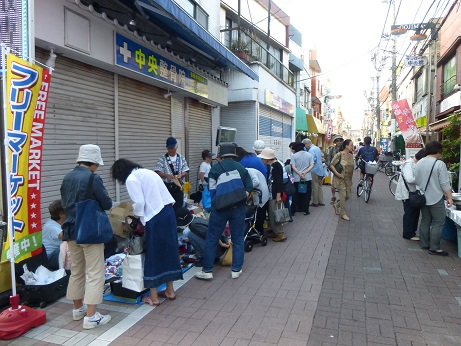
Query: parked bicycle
x=393, y=180
x=364, y=187
x=385, y=163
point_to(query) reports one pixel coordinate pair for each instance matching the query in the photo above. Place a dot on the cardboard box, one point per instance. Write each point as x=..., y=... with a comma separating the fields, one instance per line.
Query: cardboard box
x=117, y=218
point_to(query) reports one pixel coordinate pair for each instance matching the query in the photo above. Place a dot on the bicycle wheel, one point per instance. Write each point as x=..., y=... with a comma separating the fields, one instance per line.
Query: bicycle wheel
x=389, y=170
x=393, y=183
x=359, y=190
x=367, y=189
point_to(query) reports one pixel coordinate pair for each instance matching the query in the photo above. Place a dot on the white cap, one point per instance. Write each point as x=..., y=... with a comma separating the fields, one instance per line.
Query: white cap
x=90, y=153
x=258, y=145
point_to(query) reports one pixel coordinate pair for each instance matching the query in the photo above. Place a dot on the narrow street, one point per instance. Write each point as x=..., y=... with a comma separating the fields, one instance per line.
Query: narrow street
x=332, y=282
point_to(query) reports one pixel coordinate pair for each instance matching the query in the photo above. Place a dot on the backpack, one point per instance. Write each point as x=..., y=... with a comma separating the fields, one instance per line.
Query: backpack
x=230, y=190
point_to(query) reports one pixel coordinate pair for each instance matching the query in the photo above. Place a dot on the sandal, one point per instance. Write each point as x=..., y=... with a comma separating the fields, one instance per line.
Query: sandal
x=162, y=294
x=148, y=300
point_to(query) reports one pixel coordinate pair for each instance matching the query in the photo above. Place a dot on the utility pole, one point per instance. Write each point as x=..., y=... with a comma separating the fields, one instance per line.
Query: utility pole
x=239, y=33
x=394, y=67
x=268, y=32
x=378, y=107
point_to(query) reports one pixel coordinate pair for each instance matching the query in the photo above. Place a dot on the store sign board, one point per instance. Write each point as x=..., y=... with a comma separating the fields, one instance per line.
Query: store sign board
x=276, y=102
x=419, y=111
x=139, y=59
x=413, y=61
x=27, y=87
x=452, y=101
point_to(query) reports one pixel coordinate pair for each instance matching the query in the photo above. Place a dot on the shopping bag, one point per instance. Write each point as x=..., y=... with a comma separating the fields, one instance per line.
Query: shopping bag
x=92, y=225
x=289, y=188
x=281, y=214
x=133, y=272
x=302, y=187
x=227, y=259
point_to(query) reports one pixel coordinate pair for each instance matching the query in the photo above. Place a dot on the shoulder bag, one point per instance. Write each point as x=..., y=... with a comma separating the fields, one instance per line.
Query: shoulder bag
x=281, y=214
x=92, y=225
x=230, y=190
x=417, y=198
x=289, y=187
x=339, y=167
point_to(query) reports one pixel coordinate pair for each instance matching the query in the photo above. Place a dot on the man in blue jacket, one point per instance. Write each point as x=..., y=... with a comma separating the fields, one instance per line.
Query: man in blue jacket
x=317, y=173
x=229, y=184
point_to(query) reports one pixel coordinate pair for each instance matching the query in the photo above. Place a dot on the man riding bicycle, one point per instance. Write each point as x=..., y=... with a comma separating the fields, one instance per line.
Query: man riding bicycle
x=367, y=153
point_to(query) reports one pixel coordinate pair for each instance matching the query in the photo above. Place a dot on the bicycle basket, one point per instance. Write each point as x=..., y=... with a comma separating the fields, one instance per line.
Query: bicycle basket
x=371, y=168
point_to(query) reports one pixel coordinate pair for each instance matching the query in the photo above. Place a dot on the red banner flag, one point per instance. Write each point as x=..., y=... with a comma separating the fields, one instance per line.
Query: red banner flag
x=406, y=122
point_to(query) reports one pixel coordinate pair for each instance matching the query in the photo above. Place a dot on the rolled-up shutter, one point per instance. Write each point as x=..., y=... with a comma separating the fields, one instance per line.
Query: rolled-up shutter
x=265, y=125
x=199, y=137
x=144, y=123
x=80, y=111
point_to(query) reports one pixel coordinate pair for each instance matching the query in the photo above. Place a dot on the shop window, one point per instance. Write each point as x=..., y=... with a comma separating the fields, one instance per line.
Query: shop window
x=196, y=12
x=449, y=76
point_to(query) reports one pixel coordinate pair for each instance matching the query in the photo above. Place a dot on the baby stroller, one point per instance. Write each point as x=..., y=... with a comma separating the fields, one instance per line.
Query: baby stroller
x=252, y=235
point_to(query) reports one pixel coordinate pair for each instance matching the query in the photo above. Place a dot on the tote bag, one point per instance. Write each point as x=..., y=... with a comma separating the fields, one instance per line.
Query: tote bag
x=133, y=272
x=92, y=225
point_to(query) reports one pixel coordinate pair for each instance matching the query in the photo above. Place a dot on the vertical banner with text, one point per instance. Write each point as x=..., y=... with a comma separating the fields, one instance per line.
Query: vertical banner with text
x=27, y=87
x=407, y=125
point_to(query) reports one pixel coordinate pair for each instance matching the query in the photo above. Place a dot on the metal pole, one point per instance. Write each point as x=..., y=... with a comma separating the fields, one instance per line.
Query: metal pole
x=239, y=35
x=268, y=32
x=378, y=108
x=394, y=67
x=429, y=84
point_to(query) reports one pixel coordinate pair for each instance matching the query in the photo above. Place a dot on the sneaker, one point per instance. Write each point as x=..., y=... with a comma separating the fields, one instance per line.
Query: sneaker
x=95, y=321
x=78, y=314
x=415, y=238
x=204, y=276
x=280, y=238
x=236, y=275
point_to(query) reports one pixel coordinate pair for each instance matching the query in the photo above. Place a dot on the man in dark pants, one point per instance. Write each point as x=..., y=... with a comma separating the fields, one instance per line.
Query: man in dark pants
x=173, y=168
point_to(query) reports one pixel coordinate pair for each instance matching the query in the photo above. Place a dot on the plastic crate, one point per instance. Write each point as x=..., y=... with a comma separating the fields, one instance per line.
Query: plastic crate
x=371, y=168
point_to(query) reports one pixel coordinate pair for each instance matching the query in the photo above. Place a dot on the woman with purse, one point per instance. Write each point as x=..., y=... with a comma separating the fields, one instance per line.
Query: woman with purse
x=153, y=205
x=302, y=164
x=86, y=281
x=405, y=184
x=275, y=184
x=342, y=167
x=431, y=175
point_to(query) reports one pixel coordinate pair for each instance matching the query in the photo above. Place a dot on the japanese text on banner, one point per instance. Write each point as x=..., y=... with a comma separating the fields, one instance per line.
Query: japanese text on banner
x=406, y=122
x=26, y=99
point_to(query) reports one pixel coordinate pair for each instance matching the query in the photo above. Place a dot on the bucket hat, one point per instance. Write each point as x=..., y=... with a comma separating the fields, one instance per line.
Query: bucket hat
x=90, y=153
x=267, y=154
x=227, y=150
x=183, y=217
x=335, y=138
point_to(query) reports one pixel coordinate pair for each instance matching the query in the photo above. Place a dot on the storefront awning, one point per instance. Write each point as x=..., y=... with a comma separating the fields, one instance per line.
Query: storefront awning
x=170, y=16
x=314, y=124
x=301, y=120
x=440, y=124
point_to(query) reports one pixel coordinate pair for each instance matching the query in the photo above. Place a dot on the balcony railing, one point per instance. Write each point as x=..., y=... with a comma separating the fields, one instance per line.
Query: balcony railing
x=251, y=50
x=448, y=86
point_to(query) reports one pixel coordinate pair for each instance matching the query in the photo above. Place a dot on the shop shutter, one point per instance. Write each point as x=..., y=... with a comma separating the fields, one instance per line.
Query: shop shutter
x=80, y=111
x=177, y=122
x=144, y=123
x=276, y=134
x=265, y=125
x=287, y=136
x=199, y=137
x=242, y=116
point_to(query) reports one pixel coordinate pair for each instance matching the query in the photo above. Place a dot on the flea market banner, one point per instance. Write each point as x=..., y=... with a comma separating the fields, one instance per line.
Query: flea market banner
x=406, y=122
x=27, y=87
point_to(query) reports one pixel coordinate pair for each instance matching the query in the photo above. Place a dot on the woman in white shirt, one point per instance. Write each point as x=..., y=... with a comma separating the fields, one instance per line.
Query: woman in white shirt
x=205, y=167
x=153, y=206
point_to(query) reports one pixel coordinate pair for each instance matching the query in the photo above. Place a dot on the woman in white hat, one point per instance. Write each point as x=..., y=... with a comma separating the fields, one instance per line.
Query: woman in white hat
x=275, y=184
x=86, y=281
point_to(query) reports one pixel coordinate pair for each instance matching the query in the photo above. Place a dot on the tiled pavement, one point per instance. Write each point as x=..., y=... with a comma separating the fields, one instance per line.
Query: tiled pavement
x=331, y=283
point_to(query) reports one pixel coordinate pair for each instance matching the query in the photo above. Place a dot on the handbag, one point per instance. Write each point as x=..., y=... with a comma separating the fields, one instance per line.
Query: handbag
x=339, y=167
x=417, y=198
x=133, y=272
x=230, y=190
x=134, y=244
x=227, y=259
x=92, y=225
x=302, y=186
x=289, y=188
x=281, y=214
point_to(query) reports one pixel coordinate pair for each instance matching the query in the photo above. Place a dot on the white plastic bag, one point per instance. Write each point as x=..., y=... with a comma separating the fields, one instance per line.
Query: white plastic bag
x=42, y=276
x=133, y=272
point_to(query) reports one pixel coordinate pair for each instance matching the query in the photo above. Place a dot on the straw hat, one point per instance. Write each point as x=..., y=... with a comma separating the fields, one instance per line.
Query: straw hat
x=267, y=154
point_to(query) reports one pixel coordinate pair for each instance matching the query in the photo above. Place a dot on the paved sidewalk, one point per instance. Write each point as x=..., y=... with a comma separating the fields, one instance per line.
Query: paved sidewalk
x=332, y=282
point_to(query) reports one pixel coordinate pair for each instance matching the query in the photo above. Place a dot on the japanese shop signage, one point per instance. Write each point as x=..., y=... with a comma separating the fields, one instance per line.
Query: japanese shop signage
x=406, y=122
x=415, y=61
x=275, y=101
x=27, y=88
x=134, y=57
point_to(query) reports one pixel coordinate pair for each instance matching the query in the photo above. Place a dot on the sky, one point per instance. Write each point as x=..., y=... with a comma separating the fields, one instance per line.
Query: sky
x=346, y=33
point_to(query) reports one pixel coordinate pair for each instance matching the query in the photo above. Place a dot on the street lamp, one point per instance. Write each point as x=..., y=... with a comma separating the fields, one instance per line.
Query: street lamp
x=418, y=36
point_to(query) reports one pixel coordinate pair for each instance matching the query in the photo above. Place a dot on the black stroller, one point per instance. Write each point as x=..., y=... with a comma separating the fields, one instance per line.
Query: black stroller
x=252, y=235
